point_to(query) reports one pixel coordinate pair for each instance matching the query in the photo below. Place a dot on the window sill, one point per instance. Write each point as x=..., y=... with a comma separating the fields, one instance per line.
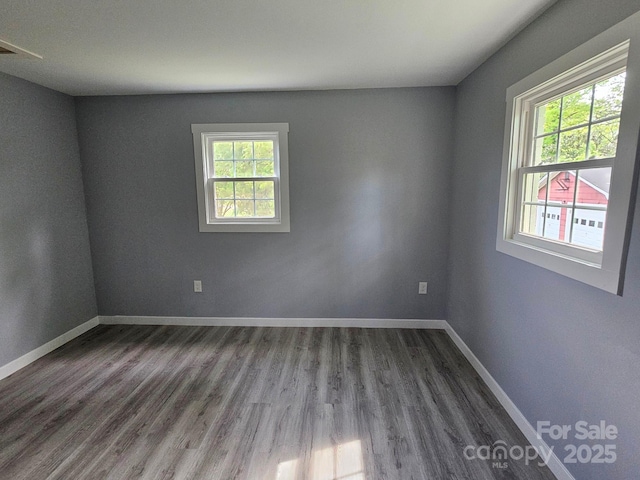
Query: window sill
x=577, y=269
x=246, y=227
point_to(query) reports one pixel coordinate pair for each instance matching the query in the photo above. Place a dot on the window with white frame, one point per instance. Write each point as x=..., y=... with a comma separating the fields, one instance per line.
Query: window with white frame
x=570, y=153
x=242, y=177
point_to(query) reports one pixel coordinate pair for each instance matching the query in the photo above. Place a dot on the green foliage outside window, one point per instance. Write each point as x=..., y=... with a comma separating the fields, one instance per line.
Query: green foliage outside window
x=244, y=159
x=563, y=133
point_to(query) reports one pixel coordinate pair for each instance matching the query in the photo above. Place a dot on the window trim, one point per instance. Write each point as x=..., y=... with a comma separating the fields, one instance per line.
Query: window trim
x=605, y=273
x=203, y=137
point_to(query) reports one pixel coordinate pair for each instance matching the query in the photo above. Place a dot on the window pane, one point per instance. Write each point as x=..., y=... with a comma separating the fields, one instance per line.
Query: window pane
x=546, y=149
x=576, y=108
x=265, y=190
x=593, y=191
x=573, y=145
x=224, y=208
x=265, y=168
x=263, y=149
x=265, y=208
x=532, y=219
x=244, y=190
x=607, y=100
x=561, y=188
x=243, y=150
x=534, y=187
x=585, y=230
x=558, y=223
x=593, y=186
x=224, y=190
x=244, y=208
x=604, y=139
x=548, y=117
x=223, y=169
x=534, y=191
x=222, y=150
x=244, y=168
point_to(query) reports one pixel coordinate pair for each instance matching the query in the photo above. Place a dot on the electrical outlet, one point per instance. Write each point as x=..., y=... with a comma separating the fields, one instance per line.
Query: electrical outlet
x=422, y=288
x=197, y=286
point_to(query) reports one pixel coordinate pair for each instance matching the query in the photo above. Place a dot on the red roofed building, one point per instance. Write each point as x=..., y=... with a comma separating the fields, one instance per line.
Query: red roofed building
x=591, y=200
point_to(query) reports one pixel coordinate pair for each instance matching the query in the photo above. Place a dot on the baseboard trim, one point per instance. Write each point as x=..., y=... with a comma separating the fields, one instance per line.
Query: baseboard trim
x=555, y=464
x=272, y=322
x=48, y=347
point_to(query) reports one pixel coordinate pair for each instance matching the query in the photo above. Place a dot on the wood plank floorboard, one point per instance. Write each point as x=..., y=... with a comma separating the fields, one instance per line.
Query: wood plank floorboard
x=240, y=403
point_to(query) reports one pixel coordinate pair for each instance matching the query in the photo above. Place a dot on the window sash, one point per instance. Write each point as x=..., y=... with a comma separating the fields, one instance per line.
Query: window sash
x=211, y=199
x=605, y=65
x=560, y=247
x=212, y=138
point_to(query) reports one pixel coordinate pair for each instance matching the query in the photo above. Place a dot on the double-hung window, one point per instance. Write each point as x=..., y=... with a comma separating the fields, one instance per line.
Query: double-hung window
x=242, y=177
x=570, y=153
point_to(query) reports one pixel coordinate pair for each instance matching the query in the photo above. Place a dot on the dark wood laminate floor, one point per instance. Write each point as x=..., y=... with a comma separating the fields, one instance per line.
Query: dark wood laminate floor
x=124, y=402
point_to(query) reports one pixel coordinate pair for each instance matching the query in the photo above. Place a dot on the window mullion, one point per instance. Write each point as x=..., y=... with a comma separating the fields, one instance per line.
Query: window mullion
x=559, y=130
x=593, y=98
x=235, y=205
x=546, y=203
x=255, y=212
x=573, y=210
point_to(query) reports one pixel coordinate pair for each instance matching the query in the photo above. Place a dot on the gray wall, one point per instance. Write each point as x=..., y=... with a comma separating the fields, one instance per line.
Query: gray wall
x=370, y=206
x=563, y=351
x=369, y=181
x=46, y=284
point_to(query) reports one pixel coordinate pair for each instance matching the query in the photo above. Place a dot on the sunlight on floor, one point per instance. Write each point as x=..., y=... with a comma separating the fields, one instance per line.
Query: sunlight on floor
x=342, y=462
x=287, y=470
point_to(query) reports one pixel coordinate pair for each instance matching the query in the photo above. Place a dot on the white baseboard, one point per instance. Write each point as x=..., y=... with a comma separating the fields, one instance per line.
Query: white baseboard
x=48, y=347
x=555, y=464
x=272, y=322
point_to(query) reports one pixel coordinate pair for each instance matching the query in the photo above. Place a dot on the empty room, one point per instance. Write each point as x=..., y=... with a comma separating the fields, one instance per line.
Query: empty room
x=292, y=240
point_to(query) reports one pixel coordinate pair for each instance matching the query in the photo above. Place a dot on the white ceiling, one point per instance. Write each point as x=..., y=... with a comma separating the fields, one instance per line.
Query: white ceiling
x=109, y=47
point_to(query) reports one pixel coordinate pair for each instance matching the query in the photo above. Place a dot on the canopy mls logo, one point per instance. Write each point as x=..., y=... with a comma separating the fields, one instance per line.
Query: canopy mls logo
x=593, y=444
x=499, y=453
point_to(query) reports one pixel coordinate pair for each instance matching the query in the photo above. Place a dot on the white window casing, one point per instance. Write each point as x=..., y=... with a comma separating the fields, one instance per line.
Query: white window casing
x=612, y=51
x=204, y=138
